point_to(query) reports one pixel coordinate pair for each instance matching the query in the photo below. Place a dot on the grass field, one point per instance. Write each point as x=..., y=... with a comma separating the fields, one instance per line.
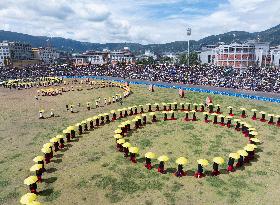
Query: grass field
x=90, y=171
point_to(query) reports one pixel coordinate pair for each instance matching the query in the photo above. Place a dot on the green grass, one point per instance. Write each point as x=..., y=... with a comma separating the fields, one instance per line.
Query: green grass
x=92, y=171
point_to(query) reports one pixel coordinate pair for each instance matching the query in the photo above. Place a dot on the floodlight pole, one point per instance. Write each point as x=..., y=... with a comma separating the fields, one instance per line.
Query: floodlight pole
x=189, y=32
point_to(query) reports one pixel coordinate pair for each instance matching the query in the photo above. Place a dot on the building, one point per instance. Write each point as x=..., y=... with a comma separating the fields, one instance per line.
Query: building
x=275, y=56
x=122, y=56
x=20, y=51
x=103, y=57
x=237, y=55
x=47, y=55
x=5, y=55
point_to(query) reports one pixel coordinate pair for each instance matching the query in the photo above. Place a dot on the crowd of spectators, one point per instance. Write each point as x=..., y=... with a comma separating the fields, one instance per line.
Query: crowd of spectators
x=252, y=78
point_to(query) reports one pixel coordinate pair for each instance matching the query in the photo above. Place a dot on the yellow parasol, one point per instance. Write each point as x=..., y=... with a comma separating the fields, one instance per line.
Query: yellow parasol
x=59, y=136
x=214, y=114
x=150, y=155
x=36, y=167
x=28, y=198
x=46, y=150
x=54, y=139
x=118, y=131
x=251, y=145
x=242, y=108
x=203, y=162
x=242, y=153
x=182, y=161
x=113, y=111
x=66, y=131
x=248, y=148
x=205, y=113
x=121, y=141
x=229, y=117
x=218, y=160
x=253, y=133
x=262, y=112
x=38, y=159
x=237, y=120
x=163, y=158
x=234, y=155
x=134, y=150
x=229, y=107
x=34, y=203
x=217, y=105
x=126, y=145
x=30, y=180
x=255, y=140
x=254, y=110
x=118, y=136
x=47, y=145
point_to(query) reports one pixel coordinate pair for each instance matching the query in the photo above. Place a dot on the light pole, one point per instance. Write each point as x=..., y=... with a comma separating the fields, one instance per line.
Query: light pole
x=189, y=32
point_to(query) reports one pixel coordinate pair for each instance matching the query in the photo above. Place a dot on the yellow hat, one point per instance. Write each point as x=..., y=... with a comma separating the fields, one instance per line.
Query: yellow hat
x=163, y=158
x=182, y=161
x=242, y=153
x=203, y=162
x=126, y=145
x=36, y=167
x=134, y=150
x=28, y=198
x=150, y=155
x=218, y=160
x=30, y=180
x=121, y=141
x=38, y=159
x=234, y=155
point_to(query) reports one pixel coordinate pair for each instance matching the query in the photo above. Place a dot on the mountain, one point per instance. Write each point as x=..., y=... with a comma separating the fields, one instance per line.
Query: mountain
x=271, y=35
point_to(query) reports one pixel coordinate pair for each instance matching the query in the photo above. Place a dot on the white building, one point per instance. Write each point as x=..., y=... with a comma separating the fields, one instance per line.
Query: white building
x=47, y=55
x=238, y=55
x=275, y=56
x=124, y=56
x=5, y=54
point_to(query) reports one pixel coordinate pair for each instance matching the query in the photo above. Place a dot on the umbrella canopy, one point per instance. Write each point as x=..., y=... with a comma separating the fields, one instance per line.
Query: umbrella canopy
x=229, y=117
x=46, y=150
x=193, y=111
x=163, y=158
x=262, y=112
x=34, y=203
x=270, y=115
x=41, y=111
x=113, y=111
x=251, y=145
x=134, y=150
x=77, y=124
x=217, y=105
x=237, y=120
x=218, y=160
x=66, y=131
x=182, y=161
x=186, y=111
x=214, y=114
x=242, y=153
x=150, y=155
x=38, y=159
x=255, y=140
x=30, y=180
x=126, y=145
x=252, y=129
x=254, y=110
x=118, y=131
x=36, y=167
x=152, y=113
x=205, y=113
x=121, y=141
x=203, y=162
x=54, y=139
x=195, y=104
x=253, y=133
x=248, y=148
x=118, y=136
x=229, y=107
x=242, y=108
x=234, y=155
x=47, y=145
x=121, y=125
x=28, y=198
x=221, y=116
x=59, y=136
x=84, y=122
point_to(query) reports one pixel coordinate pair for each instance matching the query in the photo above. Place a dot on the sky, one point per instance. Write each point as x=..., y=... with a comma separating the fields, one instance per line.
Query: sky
x=137, y=21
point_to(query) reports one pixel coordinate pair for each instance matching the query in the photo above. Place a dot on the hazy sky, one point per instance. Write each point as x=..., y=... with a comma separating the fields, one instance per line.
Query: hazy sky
x=142, y=21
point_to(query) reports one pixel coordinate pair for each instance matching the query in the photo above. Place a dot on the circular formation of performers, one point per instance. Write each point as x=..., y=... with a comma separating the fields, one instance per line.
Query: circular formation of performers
x=144, y=114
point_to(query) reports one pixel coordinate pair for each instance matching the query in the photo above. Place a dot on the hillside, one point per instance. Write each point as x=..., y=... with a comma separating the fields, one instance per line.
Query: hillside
x=271, y=35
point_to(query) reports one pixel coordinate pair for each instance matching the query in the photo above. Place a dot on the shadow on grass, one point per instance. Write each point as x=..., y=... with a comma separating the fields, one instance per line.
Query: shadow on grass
x=171, y=170
x=46, y=192
x=190, y=173
x=59, y=155
x=58, y=161
x=141, y=160
x=51, y=170
x=50, y=180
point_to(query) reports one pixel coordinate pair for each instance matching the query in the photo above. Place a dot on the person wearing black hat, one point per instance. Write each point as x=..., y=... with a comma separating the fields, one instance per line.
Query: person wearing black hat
x=180, y=172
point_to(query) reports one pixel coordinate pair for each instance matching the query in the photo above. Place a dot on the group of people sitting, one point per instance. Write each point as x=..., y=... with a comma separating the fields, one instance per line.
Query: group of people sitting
x=252, y=78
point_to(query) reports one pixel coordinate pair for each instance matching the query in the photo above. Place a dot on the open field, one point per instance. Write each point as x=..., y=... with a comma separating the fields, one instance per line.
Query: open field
x=91, y=171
